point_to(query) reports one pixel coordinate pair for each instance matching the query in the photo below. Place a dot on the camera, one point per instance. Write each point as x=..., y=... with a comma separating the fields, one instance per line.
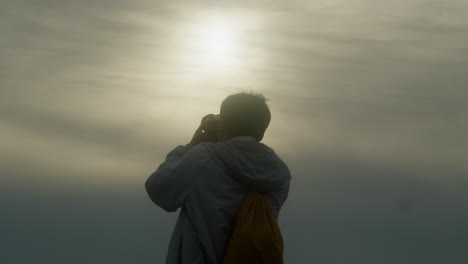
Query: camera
x=210, y=126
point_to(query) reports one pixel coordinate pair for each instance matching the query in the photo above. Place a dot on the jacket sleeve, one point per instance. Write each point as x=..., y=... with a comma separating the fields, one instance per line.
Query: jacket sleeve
x=169, y=185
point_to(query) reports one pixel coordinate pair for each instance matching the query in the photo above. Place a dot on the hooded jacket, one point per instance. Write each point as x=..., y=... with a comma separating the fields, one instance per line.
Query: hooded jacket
x=208, y=182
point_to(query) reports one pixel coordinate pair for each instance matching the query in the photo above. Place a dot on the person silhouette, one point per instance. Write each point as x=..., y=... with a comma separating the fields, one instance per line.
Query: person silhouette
x=209, y=178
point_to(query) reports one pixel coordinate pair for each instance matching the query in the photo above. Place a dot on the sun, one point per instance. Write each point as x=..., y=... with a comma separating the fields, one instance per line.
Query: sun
x=216, y=42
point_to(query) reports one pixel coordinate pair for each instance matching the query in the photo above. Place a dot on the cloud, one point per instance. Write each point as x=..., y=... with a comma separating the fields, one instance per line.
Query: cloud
x=368, y=103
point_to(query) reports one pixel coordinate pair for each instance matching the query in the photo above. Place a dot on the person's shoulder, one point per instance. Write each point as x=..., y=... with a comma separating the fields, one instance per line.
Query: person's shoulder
x=201, y=149
x=202, y=156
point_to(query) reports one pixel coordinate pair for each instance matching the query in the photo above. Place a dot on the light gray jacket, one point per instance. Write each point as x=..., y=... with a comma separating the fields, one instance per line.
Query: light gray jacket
x=208, y=182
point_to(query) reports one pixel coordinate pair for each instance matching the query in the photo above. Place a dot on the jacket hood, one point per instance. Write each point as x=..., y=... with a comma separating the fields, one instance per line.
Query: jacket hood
x=254, y=165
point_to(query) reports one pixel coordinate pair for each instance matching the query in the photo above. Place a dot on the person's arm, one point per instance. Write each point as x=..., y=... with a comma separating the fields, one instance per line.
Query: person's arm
x=168, y=186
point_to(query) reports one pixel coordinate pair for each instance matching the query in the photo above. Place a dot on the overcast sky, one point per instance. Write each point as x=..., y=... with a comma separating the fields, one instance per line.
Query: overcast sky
x=369, y=110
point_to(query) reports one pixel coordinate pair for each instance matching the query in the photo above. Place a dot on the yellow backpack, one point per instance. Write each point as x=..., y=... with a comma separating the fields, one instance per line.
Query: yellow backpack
x=256, y=237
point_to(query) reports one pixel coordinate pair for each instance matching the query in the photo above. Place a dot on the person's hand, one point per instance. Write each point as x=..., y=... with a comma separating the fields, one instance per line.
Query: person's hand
x=200, y=134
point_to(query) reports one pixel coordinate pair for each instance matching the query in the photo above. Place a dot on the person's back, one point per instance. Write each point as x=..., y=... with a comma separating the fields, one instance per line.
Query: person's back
x=209, y=181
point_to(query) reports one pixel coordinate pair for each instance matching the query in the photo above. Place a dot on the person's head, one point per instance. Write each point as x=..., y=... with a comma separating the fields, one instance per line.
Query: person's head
x=244, y=114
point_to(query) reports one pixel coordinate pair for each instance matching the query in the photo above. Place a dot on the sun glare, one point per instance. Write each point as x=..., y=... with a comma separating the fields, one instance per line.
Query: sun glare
x=215, y=43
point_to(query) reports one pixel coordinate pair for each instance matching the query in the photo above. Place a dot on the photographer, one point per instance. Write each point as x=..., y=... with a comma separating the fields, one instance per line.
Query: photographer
x=210, y=177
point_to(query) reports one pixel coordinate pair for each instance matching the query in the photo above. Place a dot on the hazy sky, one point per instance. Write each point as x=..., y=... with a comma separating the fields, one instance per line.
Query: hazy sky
x=369, y=110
